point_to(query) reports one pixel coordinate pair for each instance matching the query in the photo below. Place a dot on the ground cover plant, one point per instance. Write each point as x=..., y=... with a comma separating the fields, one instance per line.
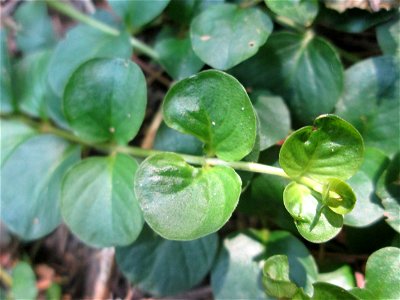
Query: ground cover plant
x=200, y=149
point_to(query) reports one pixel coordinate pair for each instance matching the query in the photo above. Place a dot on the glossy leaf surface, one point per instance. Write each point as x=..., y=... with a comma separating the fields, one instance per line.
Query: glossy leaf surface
x=30, y=200
x=105, y=100
x=214, y=107
x=35, y=27
x=181, y=202
x=331, y=148
x=342, y=276
x=225, y=35
x=98, y=201
x=164, y=267
x=347, y=200
x=371, y=101
x=302, y=12
x=316, y=222
x=137, y=13
x=323, y=291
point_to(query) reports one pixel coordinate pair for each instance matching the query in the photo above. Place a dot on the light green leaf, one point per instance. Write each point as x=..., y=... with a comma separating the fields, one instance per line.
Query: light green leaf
x=23, y=282
x=214, y=107
x=137, y=13
x=302, y=68
x=31, y=92
x=324, y=291
x=181, y=202
x=35, y=29
x=371, y=101
x=81, y=44
x=6, y=97
x=389, y=192
x=98, y=201
x=180, y=265
x=170, y=140
x=316, y=222
x=105, y=100
x=225, y=35
x=276, y=277
x=30, y=200
x=342, y=276
x=274, y=118
x=331, y=148
x=177, y=56
x=302, y=12
x=347, y=200
x=388, y=36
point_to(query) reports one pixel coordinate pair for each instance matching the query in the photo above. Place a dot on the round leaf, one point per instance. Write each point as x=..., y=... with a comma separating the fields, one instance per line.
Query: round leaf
x=98, y=201
x=105, y=100
x=181, y=202
x=315, y=221
x=151, y=258
x=23, y=282
x=214, y=107
x=302, y=12
x=31, y=177
x=225, y=35
x=331, y=148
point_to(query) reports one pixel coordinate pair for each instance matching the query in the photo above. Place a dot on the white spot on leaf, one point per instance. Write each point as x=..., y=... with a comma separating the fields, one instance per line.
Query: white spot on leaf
x=205, y=38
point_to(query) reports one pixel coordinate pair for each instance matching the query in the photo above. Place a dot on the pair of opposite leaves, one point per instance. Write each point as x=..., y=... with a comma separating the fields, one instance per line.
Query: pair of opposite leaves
x=179, y=201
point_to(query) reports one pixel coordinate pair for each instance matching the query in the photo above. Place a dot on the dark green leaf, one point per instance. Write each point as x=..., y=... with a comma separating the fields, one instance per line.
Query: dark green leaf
x=30, y=200
x=274, y=118
x=324, y=291
x=31, y=92
x=170, y=140
x=315, y=221
x=6, y=97
x=81, y=44
x=105, y=100
x=371, y=101
x=35, y=29
x=23, y=282
x=183, y=11
x=181, y=202
x=342, y=276
x=54, y=292
x=302, y=12
x=137, y=13
x=164, y=267
x=388, y=36
x=225, y=35
x=98, y=201
x=214, y=107
x=177, y=56
x=276, y=277
x=331, y=148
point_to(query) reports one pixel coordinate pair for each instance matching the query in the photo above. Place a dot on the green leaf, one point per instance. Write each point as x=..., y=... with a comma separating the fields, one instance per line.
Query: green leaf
x=105, y=100
x=389, y=192
x=98, y=201
x=331, y=148
x=54, y=292
x=81, y=44
x=383, y=263
x=225, y=35
x=347, y=200
x=305, y=70
x=324, y=291
x=137, y=13
x=342, y=276
x=177, y=56
x=276, y=277
x=6, y=97
x=388, y=36
x=214, y=107
x=31, y=92
x=315, y=221
x=35, y=29
x=30, y=199
x=302, y=12
x=371, y=101
x=151, y=258
x=170, y=140
x=183, y=11
x=274, y=118
x=23, y=282
x=181, y=202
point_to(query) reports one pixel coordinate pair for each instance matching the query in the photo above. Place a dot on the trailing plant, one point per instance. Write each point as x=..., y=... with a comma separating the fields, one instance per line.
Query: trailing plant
x=71, y=112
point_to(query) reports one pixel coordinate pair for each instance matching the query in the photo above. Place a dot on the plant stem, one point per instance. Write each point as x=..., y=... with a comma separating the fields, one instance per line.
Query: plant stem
x=75, y=14
x=5, y=278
